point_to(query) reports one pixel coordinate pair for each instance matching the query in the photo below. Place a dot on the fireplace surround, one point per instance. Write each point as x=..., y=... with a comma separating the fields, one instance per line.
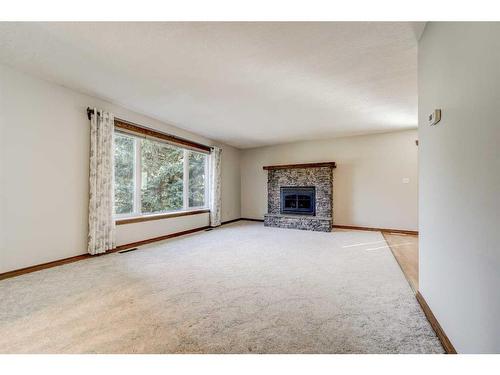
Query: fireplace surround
x=300, y=196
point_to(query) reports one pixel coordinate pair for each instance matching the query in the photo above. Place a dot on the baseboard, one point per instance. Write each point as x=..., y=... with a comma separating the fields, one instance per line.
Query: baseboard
x=60, y=262
x=160, y=238
x=445, y=341
x=400, y=231
x=39, y=267
x=242, y=218
x=230, y=221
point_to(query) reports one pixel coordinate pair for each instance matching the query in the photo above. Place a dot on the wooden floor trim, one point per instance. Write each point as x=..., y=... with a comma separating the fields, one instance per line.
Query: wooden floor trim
x=400, y=231
x=160, y=238
x=445, y=341
x=242, y=218
x=230, y=221
x=60, y=262
x=257, y=220
x=39, y=267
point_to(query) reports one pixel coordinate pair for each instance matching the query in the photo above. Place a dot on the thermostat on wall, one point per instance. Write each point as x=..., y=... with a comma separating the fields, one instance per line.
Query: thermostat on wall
x=434, y=117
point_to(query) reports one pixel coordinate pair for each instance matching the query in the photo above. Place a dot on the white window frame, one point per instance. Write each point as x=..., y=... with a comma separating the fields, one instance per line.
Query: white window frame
x=137, y=209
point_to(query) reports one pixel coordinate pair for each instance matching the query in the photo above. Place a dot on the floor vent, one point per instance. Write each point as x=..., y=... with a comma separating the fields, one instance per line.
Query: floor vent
x=126, y=251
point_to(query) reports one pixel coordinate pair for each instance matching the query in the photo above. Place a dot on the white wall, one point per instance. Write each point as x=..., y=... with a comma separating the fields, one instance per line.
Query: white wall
x=367, y=186
x=459, y=72
x=44, y=151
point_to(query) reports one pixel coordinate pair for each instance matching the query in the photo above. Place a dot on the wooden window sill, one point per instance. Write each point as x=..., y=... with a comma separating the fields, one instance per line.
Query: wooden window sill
x=169, y=215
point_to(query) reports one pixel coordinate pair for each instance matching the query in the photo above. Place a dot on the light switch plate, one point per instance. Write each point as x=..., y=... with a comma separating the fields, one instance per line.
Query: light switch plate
x=406, y=180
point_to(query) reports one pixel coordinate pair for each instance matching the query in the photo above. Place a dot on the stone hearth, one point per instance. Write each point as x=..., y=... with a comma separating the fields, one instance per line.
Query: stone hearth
x=319, y=175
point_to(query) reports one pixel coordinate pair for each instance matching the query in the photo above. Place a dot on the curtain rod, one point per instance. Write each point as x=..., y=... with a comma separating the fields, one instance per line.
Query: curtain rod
x=90, y=112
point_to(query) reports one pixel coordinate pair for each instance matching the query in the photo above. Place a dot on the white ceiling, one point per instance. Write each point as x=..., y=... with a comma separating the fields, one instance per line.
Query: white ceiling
x=245, y=84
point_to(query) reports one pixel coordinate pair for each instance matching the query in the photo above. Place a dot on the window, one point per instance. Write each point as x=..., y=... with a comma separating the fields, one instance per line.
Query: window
x=154, y=177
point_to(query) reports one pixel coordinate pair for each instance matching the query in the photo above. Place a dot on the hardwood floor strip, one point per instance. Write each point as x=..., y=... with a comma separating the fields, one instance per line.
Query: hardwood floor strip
x=445, y=341
x=407, y=257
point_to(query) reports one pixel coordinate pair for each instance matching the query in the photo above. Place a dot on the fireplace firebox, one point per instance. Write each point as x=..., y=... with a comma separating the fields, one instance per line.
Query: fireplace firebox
x=298, y=200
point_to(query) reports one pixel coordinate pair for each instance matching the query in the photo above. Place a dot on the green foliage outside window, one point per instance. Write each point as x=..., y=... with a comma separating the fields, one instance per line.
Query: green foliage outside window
x=124, y=174
x=161, y=169
x=196, y=179
x=162, y=177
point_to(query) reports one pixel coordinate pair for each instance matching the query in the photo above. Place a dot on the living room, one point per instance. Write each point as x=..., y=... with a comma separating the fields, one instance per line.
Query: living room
x=249, y=187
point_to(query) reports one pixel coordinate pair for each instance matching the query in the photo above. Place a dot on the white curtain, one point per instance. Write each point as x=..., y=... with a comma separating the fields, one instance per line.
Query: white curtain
x=215, y=187
x=101, y=198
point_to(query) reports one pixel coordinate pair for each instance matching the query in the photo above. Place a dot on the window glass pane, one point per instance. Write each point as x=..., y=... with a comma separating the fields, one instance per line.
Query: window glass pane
x=196, y=179
x=162, y=177
x=124, y=174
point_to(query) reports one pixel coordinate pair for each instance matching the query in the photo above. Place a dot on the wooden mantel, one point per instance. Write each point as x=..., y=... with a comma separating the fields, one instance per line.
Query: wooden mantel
x=330, y=164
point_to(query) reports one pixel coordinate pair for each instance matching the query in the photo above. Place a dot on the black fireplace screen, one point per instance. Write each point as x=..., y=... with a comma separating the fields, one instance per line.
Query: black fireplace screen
x=298, y=200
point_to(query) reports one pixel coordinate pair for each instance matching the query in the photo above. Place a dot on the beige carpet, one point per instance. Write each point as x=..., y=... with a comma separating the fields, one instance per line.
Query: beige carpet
x=241, y=288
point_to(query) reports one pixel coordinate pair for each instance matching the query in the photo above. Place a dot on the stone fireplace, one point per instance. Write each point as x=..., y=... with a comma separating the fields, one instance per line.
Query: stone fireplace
x=299, y=196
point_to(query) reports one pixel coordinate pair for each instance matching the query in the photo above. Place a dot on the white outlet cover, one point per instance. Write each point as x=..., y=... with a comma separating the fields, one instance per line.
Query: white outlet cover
x=406, y=180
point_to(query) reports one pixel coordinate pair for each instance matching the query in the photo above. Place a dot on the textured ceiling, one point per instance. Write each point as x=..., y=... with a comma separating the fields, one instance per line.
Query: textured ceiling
x=245, y=84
